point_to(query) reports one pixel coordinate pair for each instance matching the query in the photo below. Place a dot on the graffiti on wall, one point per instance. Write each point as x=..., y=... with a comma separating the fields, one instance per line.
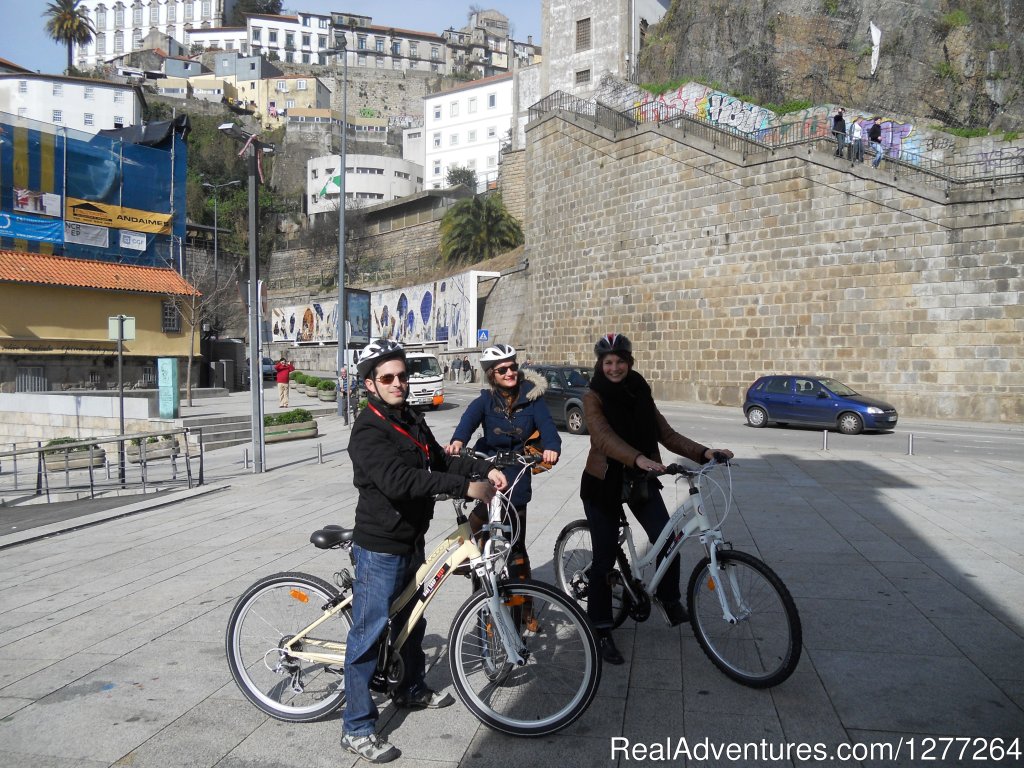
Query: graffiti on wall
x=424, y=314
x=317, y=321
x=727, y=111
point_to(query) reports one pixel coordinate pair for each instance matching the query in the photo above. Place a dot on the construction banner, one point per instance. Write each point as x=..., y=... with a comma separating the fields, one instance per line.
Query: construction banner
x=116, y=216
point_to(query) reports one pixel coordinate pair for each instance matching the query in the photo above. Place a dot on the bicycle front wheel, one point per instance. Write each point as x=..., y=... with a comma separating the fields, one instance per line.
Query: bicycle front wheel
x=562, y=670
x=574, y=553
x=761, y=647
x=266, y=616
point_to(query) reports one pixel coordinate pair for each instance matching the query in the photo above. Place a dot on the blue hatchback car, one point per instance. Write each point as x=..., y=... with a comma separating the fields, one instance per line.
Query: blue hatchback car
x=815, y=401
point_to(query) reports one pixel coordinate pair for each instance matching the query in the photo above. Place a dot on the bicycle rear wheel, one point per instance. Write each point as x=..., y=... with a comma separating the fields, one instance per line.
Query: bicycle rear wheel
x=555, y=685
x=762, y=647
x=267, y=615
x=574, y=552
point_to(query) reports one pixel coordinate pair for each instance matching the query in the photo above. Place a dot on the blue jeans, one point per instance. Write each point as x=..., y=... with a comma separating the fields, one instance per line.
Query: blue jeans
x=840, y=137
x=603, y=519
x=380, y=578
x=877, y=146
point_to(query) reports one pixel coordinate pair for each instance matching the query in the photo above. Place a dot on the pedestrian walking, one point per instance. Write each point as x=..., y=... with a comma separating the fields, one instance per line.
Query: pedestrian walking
x=467, y=369
x=839, y=131
x=857, y=142
x=875, y=137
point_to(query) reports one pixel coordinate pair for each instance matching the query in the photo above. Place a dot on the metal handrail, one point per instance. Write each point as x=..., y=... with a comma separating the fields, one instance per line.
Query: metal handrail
x=42, y=465
x=968, y=173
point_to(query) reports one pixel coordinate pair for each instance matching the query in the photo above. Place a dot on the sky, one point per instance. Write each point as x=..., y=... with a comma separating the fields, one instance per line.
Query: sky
x=23, y=40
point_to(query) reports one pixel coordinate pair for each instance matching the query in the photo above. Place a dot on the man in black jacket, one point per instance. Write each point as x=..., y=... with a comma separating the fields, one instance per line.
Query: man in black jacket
x=875, y=138
x=839, y=131
x=398, y=467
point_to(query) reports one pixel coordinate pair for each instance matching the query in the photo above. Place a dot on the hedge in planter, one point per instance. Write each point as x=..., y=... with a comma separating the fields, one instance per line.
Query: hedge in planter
x=290, y=425
x=327, y=390
x=58, y=458
x=162, y=448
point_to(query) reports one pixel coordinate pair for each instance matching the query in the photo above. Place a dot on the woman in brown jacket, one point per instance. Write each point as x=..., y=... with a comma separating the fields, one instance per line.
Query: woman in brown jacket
x=625, y=429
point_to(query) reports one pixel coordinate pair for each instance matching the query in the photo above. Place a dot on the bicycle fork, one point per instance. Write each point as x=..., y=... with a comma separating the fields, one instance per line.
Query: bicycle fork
x=726, y=587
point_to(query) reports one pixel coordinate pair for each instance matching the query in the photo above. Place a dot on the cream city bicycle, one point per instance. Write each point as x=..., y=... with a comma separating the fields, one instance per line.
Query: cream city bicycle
x=741, y=613
x=522, y=675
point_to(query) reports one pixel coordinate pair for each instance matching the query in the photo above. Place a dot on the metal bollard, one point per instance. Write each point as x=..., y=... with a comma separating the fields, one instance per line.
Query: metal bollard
x=319, y=453
x=824, y=440
x=245, y=458
x=910, y=444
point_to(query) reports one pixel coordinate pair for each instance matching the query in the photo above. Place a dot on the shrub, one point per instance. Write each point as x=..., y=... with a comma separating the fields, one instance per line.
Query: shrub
x=294, y=375
x=59, y=441
x=327, y=385
x=294, y=416
x=300, y=378
x=137, y=441
x=313, y=381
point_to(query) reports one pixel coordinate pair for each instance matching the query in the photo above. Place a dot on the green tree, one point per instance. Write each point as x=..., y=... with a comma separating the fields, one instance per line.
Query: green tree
x=68, y=24
x=244, y=7
x=478, y=228
x=464, y=176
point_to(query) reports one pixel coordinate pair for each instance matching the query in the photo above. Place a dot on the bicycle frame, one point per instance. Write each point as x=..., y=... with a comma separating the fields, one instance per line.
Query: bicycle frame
x=458, y=546
x=680, y=529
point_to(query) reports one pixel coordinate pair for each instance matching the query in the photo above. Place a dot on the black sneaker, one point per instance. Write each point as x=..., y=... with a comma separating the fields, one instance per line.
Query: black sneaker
x=674, y=613
x=372, y=748
x=607, y=647
x=425, y=699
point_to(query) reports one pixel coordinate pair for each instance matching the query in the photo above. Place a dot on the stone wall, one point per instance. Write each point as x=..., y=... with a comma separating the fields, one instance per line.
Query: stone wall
x=512, y=183
x=36, y=417
x=722, y=268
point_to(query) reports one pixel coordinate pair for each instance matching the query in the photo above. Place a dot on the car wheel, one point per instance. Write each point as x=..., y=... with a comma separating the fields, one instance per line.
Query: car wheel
x=574, y=421
x=757, y=417
x=851, y=424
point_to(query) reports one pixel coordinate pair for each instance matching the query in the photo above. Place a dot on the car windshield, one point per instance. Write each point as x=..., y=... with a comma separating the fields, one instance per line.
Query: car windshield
x=423, y=366
x=837, y=388
x=578, y=377
x=267, y=361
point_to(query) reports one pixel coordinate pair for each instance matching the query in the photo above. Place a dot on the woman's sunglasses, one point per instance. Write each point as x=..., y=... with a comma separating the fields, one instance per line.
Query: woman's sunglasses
x=388, y=378
x=506, y=368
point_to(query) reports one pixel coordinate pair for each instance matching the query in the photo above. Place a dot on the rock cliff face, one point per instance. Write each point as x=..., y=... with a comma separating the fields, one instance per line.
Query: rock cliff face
x=958, y=62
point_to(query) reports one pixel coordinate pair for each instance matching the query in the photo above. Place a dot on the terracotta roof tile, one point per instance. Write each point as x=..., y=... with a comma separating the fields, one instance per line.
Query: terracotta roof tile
x=39, y=269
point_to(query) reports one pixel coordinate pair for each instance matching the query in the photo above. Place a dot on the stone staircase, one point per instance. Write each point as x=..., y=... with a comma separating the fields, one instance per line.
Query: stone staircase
x=225, y=431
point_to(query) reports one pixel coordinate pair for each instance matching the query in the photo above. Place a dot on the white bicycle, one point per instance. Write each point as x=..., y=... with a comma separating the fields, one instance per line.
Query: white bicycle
x=741, y=613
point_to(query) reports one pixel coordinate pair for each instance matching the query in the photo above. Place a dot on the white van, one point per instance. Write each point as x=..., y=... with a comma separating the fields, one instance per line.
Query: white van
x=426, y=384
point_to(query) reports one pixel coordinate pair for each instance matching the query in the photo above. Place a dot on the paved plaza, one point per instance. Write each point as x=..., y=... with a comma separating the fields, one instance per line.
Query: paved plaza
x=908, y=572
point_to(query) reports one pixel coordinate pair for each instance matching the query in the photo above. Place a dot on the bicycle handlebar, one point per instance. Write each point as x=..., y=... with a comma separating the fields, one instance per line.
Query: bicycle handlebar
x=717, y=459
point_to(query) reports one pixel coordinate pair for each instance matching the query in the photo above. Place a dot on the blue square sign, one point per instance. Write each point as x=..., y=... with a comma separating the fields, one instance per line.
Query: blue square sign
x=483, y=334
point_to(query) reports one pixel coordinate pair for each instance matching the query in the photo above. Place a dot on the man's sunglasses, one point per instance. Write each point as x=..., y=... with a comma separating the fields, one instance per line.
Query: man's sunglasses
x=388, y=378
x=506, y=368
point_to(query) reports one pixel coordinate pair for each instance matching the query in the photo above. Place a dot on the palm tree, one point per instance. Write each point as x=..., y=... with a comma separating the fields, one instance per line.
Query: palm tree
x=478, y=228
x=68, y=24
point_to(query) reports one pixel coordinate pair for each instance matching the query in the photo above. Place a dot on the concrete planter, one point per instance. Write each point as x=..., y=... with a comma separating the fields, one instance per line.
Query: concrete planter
x=328, y=396
x=279, y=433
x=55, y=462
x=161, y=450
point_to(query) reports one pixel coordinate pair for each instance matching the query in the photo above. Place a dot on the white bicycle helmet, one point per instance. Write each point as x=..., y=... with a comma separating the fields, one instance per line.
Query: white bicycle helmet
x=614, y=342
x=496, y=354
x=375, y=353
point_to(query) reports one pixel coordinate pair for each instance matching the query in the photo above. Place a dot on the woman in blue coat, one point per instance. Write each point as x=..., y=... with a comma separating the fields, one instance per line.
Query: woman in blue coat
x=509, y=412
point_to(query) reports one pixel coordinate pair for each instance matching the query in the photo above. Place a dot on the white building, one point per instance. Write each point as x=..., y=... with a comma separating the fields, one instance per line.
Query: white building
x=584, y=39
x=121, y=25
x=369, y=179
x=465, y=127
x=74, y=102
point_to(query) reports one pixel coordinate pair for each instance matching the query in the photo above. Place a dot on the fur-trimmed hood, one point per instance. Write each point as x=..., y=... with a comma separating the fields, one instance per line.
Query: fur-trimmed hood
x=540, y=384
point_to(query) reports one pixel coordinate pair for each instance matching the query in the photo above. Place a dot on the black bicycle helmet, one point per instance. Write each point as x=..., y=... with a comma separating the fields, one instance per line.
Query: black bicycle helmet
x=614, y=342
x=377, y=352
x=496, y=354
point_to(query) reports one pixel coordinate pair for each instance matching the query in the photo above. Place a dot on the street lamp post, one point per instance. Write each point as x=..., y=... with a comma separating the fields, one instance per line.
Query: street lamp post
x=252, y=148
x=341, y=47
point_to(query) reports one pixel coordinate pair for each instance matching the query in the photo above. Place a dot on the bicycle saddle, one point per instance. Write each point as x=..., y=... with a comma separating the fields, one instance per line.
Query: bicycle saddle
x=331, y=536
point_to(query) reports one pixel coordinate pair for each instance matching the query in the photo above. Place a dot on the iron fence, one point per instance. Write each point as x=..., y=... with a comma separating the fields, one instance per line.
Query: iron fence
x=143, y=462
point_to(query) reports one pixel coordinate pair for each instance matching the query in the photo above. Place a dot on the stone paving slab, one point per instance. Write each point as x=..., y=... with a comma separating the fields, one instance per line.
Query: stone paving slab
x=111, y=635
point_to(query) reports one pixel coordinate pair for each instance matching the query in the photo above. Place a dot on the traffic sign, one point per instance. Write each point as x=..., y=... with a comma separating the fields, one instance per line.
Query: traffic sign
x=483, y=334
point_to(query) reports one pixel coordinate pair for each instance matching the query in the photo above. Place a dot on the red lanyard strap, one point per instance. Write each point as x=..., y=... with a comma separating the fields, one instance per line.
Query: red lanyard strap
x=400, y=430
